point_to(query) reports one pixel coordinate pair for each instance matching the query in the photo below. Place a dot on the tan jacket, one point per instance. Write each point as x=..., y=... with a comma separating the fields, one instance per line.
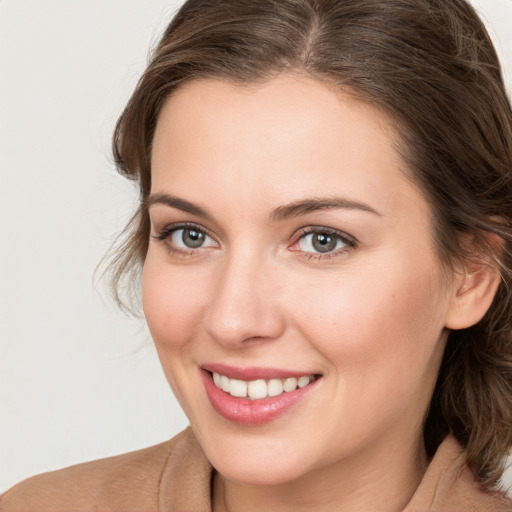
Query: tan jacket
x=175, y=477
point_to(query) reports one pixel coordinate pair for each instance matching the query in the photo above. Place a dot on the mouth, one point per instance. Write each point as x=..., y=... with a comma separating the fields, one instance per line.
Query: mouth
x=260, y=388
x=252, y=400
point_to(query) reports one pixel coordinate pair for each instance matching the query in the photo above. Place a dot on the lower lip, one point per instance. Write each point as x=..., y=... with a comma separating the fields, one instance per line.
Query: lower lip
x=252, y=412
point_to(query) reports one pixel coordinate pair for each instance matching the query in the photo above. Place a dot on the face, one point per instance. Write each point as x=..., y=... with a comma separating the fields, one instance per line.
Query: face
x=290, y=263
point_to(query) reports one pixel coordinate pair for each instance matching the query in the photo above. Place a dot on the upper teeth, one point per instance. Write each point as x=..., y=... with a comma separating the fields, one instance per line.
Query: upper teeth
x=260, y=388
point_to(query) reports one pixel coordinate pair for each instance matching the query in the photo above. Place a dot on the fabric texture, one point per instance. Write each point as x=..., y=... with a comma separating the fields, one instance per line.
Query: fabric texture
x=175, y=476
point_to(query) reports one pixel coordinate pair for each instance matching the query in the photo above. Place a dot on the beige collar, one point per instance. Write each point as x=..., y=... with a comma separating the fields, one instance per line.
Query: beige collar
x=448, y=485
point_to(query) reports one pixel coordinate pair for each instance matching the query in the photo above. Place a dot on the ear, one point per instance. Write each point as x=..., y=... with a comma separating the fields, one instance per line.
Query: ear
x=474, y=288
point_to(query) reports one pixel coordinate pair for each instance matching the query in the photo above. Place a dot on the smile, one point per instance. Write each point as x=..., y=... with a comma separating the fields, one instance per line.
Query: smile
x=260, y=388
x=255, y=396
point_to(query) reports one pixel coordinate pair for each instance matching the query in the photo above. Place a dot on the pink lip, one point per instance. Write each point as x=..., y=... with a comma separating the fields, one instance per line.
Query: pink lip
x=251, y=412
x=252, y=373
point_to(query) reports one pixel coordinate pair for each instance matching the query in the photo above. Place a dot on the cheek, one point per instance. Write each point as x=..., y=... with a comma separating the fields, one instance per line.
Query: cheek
x=382, y=337
x=173, y=302
x=371, y=321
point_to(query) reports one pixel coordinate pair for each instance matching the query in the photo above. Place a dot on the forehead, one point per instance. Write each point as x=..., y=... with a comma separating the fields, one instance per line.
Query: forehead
x=288, y=130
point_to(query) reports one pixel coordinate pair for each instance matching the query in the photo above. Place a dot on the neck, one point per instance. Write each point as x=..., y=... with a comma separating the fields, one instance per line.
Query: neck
x=381, y=481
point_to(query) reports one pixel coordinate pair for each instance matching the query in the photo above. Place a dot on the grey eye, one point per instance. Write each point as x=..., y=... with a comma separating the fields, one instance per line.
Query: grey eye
x=320, y=242
x=191, y=238
x=323, y=242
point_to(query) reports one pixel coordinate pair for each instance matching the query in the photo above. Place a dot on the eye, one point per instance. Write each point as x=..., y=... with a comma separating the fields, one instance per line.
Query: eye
x=190, y=238
x=185, y=239
x=323, y=241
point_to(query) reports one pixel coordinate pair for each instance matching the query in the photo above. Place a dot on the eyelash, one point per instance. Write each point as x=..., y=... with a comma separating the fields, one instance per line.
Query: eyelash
x=165, y=234
x=349, y=241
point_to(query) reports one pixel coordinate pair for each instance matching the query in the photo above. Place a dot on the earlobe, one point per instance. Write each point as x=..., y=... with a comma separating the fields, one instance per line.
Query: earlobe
x=473, y=293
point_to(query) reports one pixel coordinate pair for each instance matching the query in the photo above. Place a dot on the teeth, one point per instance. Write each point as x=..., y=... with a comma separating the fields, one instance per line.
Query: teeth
x=290, y=384
x=258, y=389
x=275, y=387
x=302, y=382
x=237, y=388
x=224, y=383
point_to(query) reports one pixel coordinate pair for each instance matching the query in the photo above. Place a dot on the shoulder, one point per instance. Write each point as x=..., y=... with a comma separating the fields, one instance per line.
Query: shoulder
x=450, y=485
x=130, y=481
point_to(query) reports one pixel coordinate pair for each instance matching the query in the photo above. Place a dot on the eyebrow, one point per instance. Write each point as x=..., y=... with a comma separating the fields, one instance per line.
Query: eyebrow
x=178, y=203
x=305, y=206
x=295, y=209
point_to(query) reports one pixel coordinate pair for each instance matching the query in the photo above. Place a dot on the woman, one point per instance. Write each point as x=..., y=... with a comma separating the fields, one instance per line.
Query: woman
x=324, y=241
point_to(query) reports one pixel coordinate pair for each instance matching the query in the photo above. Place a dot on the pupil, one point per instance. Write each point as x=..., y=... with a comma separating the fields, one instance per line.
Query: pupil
x=323, y=242
x=193, y=238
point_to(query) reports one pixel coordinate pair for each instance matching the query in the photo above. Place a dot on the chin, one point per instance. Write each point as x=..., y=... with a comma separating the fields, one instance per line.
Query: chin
x=266, y=458
x=261, y=472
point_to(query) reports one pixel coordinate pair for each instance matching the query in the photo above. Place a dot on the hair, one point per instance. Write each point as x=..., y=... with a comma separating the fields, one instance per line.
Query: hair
x=431, y=67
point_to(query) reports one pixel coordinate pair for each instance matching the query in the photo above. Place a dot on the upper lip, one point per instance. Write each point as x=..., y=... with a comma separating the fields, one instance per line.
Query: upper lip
x=253, y=373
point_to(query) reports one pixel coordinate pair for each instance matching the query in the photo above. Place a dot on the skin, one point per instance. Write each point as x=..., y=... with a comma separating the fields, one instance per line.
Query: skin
x=370, y=319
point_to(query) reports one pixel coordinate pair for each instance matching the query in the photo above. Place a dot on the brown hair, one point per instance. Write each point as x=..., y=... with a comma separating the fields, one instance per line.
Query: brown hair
x=430, y=65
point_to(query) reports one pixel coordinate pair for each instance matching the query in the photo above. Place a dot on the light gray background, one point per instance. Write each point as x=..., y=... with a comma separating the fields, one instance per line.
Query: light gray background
x=78, y=380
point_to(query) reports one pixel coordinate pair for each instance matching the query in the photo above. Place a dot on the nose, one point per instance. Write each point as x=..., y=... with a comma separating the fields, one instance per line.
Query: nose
x=244, y=305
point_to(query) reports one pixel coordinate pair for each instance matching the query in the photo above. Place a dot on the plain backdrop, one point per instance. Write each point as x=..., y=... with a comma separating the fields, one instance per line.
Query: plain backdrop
x=78, y=380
